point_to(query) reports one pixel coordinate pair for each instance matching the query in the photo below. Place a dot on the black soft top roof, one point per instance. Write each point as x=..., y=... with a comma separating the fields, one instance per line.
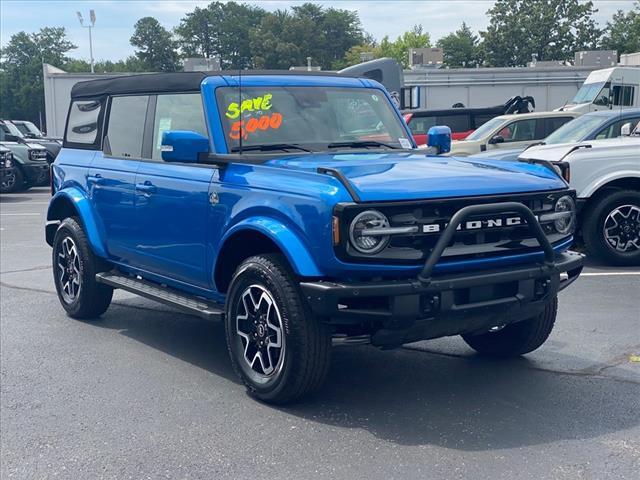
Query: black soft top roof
x=166, y=82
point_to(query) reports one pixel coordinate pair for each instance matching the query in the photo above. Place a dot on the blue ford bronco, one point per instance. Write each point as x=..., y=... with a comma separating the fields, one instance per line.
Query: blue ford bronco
x=296, y=209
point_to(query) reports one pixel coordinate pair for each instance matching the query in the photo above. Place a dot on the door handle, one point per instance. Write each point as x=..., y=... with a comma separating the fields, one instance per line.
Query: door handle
x=95, y=179
x=147, y=188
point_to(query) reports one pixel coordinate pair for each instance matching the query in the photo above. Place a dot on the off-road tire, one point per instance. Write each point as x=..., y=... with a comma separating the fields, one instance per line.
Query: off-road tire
x=517, y=338
x=307, y=341
x=593, y=227
x=18, y=182
x=92, y=298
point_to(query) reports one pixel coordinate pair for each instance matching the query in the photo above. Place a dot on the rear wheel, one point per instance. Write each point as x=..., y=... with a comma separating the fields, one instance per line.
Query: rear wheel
x=278, y=348
x=517, y=338
x=612, y=228
x=74, y=273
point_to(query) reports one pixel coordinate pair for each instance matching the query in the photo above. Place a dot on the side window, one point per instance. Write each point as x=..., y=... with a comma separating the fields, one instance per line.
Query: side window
x=623, y=95
x=519, y=131
x=479, y=120
x=126, y=125
x=457, y=123
x=552, y=124
x=82, y=124
x=421, y=125
x=182, y=111
x=613, y=130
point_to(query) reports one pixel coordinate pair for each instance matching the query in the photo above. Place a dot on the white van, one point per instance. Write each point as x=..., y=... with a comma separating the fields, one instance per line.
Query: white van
x=617, y=87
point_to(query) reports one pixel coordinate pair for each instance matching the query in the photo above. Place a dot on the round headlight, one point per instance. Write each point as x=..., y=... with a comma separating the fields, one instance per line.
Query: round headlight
x=368, y=220
x=565, y=223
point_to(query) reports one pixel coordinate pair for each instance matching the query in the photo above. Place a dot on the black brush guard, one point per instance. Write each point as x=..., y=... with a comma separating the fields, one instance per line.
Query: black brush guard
x=431, y=306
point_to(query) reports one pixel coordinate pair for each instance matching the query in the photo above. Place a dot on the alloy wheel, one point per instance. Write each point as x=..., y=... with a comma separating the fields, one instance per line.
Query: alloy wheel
x=69, y=270
x=622, y=228
x=259, y=326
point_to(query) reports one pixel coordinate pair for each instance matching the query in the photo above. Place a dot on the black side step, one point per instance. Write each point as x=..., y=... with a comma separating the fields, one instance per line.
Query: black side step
x=166, y=295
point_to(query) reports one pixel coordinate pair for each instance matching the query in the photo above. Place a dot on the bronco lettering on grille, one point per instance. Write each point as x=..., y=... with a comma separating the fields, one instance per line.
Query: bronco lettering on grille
x=475, y=224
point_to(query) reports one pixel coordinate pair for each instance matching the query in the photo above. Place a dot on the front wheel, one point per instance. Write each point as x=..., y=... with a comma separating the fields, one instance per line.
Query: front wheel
x=74, y=273
x=277, y=347
x=517, y=338
x=612, y=228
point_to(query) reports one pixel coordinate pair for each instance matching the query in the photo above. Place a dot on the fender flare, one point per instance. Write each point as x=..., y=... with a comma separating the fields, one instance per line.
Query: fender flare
x=602, y=181
x=83, y=206
x=287, y=240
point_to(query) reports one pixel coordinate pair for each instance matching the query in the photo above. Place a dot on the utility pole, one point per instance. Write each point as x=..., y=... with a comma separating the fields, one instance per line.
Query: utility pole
x=92, y=18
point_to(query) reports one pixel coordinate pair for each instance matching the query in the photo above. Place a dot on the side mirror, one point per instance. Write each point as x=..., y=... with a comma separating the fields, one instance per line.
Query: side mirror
x=440, y=138
x=29, y=135
x=183, y=146
x=625, y=130
x=496, y=139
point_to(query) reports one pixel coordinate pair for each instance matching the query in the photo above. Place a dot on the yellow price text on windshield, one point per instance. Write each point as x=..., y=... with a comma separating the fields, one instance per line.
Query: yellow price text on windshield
x=249, y=105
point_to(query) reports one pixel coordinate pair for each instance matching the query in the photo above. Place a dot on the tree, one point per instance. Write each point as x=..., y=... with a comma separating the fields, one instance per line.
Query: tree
x=284, y=38
x=399, y=50
x=220, y=30
x=460, y=49
x=21, y=83
x=156, y=48
x=622, y=33
x=550, y=29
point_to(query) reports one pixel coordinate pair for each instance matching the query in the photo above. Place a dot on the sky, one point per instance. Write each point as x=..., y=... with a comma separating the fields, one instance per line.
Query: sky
x=115, y=18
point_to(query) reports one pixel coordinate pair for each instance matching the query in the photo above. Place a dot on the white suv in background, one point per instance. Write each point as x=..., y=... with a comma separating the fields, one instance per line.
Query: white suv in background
x=606, y=177
x=511, y=131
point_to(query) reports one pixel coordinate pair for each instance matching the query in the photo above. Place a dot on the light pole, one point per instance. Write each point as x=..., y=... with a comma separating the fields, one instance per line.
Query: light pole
x=92, y=17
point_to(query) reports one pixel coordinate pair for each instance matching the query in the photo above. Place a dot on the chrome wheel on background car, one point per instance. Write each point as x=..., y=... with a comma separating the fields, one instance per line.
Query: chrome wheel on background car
x=621, y=228
x=68, y=266
x=259, y=328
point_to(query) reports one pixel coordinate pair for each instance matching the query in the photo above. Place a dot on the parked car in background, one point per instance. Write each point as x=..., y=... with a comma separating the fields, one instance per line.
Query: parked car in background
x=30, y=164
x=461, y=121
x=597, y=125
x=606, y=176
x=274, y=203
x=13, y=133
x=7, y=170
x=511, y=131
x=29, y=130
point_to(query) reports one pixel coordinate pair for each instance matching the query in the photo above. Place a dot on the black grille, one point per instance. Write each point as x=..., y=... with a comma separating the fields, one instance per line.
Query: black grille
x=494, y=237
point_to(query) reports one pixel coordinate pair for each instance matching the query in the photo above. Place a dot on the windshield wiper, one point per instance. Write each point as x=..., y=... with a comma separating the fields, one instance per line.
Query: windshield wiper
x=271, y=146
x=361, y=143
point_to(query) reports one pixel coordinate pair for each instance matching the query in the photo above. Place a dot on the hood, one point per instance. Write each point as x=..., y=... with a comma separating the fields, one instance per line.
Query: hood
x=561, y=151
x=411, y=176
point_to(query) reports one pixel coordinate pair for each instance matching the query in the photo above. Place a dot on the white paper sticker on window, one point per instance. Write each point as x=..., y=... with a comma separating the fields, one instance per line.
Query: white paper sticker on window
x=404, y=143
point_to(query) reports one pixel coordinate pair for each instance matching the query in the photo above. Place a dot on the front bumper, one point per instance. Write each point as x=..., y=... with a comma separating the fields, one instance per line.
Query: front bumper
x=36, y=173
x=394, y=312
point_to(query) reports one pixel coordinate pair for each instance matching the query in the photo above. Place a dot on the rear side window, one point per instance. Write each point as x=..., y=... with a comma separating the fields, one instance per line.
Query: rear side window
x=83, y=123
x=181, y=111
x=623, y=95
x=125, y=129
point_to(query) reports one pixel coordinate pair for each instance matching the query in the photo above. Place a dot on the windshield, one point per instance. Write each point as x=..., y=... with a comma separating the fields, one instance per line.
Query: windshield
x=28, y=127
x=309, y=118
x=576, y=130
x=588, y=93
x=22, y=127
x=485, y=129
x=11, y=129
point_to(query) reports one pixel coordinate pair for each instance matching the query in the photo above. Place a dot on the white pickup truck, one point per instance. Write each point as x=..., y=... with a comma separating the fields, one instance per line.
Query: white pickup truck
x=606, y=177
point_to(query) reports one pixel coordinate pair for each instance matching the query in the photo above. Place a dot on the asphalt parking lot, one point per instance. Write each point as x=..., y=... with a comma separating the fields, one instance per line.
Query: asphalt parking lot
x=149, y=393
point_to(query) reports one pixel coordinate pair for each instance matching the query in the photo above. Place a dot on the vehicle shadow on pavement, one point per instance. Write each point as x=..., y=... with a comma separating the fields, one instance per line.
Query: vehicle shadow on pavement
x=411, y=397
x=467, y=403
x=190, y=339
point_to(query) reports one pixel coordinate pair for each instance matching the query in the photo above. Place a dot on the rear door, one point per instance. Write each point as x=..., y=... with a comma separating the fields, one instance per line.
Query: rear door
x=172, y=199
x=111, y=178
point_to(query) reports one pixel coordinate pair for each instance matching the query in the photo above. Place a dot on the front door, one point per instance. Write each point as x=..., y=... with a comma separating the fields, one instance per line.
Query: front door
x=111, y=177
x=172, y=199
